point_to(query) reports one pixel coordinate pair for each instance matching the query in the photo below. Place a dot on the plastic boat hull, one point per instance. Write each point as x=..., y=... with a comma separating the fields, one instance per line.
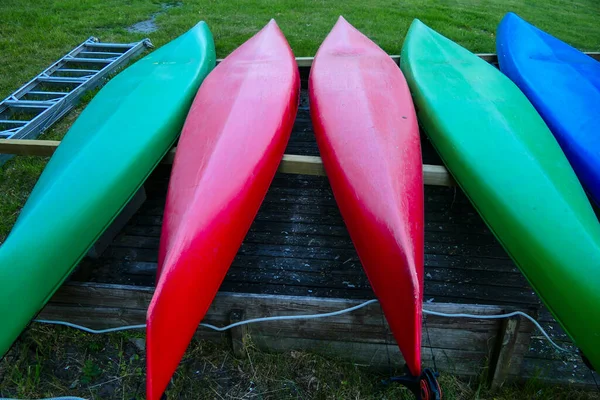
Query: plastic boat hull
x=232, y=142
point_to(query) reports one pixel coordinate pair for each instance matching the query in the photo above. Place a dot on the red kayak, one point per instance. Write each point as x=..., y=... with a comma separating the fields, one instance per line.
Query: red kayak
x=368, y=136
x=231, y=144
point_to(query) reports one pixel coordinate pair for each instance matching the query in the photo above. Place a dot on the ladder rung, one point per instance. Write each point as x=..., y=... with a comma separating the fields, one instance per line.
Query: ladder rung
x=43, y=93
x=6, y=134
x=109, y=54
x=110, y=45
x=29, y=103
x=89, y=60
x=75, y=70
x=12, y=122
x=61, y=79
x=10, y=132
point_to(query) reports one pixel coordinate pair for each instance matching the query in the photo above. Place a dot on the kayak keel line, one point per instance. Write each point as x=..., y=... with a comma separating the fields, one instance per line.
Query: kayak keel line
x=231, y=144
x=368, y=137
x=516, y=175
x=80, y=191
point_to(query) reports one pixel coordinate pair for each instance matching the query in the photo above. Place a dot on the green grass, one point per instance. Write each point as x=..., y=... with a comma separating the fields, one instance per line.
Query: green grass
x=49, y=361
x=35, y=33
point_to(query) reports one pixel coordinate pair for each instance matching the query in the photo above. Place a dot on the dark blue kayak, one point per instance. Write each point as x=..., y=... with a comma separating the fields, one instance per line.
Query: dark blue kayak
x=564, y=86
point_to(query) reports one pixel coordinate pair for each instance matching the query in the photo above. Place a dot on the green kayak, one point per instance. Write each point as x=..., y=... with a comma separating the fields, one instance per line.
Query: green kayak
x=102, y=161
x=511, y=167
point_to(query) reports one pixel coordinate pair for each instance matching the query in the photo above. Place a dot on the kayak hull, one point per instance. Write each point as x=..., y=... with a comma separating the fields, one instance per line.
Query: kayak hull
x=510, y=166
x=570, y=106
x=230, y=147
x=368, y=137
x=100, y=164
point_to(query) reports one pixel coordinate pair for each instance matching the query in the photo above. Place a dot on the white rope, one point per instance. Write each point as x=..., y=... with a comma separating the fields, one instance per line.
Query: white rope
x=500, y=316
x=313, y=316
x=51, y=398
x=89, y=330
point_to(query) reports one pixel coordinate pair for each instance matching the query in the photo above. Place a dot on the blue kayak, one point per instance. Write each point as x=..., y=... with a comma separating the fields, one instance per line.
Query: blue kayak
x=563, y=84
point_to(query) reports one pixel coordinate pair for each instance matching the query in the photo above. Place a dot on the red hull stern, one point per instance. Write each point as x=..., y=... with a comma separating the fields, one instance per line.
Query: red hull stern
x=368, y=136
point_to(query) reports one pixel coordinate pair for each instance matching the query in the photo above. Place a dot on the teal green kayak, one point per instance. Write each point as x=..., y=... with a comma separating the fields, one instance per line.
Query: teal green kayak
x=508, y=163
x=102, y=161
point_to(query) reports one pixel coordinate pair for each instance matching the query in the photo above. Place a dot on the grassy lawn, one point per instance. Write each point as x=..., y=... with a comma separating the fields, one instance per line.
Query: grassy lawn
x=34, y=33
x=58, y=361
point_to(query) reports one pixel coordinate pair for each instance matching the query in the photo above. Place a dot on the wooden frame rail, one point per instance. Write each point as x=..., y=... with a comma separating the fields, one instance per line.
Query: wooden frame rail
x=461, y=346
x=306, y=62
x=435, y=175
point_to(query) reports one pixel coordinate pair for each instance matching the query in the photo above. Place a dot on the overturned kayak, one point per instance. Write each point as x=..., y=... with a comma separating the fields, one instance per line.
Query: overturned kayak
x=563, y=84
x=508, y=163
x=231, y=144
x=100, y=164
x=368, y=137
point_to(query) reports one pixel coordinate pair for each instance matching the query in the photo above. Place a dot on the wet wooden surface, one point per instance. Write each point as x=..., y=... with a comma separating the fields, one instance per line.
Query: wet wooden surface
x=299, y=246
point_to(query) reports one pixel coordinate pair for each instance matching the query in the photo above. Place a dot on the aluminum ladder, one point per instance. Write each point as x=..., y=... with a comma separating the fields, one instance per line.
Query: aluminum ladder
x=34, y=107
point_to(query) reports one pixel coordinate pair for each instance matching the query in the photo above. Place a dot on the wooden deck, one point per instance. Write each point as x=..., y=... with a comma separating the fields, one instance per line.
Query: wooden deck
x=299, y=246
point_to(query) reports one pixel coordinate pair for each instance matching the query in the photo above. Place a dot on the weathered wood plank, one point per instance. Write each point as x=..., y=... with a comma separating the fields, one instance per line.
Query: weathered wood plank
x=356, y=278
x=558, y=372
x=238, y=335
x=24, y=147
x=287, y=271
x=305, y=62
x=462, y=362
x=256, y=305
x=335, y=275
x=353, y=264
x=290, y=163
x=123, y=298
x=434, y=222
x=108, y=305
x=436, y=218
x=338, y=233
x=457, y=362
x=337, y=258
x=305, y=165
x=503, y=353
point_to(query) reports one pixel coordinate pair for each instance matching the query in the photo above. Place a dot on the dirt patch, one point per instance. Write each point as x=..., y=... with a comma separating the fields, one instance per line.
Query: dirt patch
x=149, y=25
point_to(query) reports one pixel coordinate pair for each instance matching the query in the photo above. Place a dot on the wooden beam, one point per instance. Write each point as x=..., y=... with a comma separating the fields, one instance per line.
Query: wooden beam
x=503, y=354
x=460, y=345
x=435, y=175
x=238, y=334
x=306, y=165
x=306, y=62
x=24, y=147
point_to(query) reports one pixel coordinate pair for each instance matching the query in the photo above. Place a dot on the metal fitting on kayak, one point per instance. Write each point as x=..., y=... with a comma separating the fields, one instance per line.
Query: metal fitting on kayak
x=424, y=387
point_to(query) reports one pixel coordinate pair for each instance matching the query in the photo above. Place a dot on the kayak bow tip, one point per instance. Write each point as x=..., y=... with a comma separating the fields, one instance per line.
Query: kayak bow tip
x=156, y=382
x=418, y=24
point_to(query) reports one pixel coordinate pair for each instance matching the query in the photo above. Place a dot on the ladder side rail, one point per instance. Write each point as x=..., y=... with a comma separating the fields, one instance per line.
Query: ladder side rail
x=32, y=83
x=65, y=104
